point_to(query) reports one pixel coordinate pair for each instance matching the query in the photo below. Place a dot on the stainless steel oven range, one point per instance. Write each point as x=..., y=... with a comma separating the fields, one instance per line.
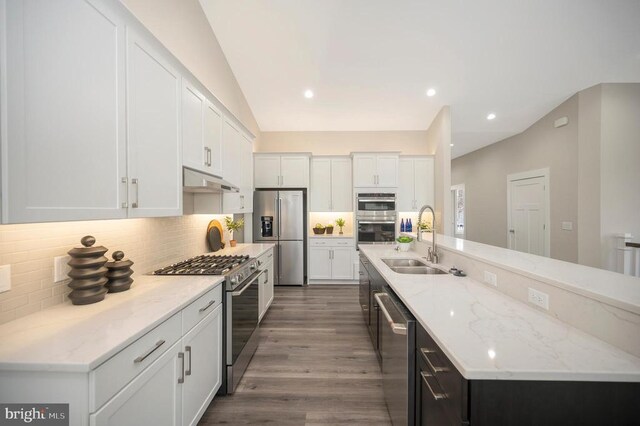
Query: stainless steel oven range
x=375, y=218
x=240, y=308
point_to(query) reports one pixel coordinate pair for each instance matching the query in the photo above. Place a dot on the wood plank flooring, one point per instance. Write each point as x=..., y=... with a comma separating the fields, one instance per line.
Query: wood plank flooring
x=314, y=365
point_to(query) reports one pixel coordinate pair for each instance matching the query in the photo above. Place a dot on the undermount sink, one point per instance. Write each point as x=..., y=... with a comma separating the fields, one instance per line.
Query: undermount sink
x=403, y=262
x=421, y=270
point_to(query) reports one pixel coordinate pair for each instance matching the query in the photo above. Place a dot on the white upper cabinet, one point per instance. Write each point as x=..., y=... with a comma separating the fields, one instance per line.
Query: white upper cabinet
x=213, y=120
x=240, y=202
x=64, y=127
x=375, y=170
x=154, y=154
x=201, y=132
x=281, y=171
x=331, y=188
x=231, y=153
x=416, y=184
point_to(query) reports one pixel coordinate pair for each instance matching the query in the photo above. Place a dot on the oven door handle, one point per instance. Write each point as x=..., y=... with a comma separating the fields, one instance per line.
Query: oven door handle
x=251, y=281
x=376, y=221
x=370, y=200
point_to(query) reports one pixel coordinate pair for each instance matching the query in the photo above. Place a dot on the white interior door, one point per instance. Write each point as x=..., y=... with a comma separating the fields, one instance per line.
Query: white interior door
x=527, y=214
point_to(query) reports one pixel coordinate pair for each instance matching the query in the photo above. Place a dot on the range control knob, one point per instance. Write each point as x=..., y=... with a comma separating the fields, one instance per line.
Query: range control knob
x=253, y=267
x=234, y=280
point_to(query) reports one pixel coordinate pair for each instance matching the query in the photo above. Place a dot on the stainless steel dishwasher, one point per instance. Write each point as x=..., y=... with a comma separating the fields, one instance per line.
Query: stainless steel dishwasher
x=397, y=329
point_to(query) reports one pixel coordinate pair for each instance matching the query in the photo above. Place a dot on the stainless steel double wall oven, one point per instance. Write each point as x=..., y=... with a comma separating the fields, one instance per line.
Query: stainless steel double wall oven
x=375, y=218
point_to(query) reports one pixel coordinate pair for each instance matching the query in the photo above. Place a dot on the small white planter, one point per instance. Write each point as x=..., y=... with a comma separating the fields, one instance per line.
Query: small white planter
x=404, y=246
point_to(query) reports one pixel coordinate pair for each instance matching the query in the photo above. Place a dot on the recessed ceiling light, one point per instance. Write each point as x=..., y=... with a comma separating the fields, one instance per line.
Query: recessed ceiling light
x=308, y=93
x=491, y=116
x=450, y=144
x=431, y=92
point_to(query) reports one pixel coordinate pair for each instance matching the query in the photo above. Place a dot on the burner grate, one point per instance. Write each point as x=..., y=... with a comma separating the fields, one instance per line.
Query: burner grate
x=206, y=264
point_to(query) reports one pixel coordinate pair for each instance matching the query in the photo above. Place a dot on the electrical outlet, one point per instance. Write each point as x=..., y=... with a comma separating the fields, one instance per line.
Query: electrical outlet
x=60, y=268
x=491, y=278
x=5, y=278
x=539, y=298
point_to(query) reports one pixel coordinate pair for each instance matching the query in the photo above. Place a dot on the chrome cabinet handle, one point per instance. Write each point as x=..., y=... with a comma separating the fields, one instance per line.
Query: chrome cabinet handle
x=425, y=354
x=395, y=327
x=282, y=180
x=242, y=202
x=134, y=181
x=125, y=204
x=181, y=357
x=209, y=156
x=206, y=156
x=436, y=396
x=188, y=350
x=211, y=302
x=149, y=352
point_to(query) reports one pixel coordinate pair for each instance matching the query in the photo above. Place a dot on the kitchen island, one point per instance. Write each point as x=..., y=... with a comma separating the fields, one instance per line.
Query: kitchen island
x=490, y=359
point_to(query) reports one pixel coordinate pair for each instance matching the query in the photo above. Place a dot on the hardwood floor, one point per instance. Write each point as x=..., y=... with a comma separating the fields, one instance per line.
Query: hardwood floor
x=314, y=365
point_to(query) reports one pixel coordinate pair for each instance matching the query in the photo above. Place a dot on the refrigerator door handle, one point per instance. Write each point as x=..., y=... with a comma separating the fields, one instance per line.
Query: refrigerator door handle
x=279, y=215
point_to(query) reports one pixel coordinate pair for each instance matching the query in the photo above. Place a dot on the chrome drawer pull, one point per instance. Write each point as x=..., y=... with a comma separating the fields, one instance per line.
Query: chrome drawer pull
x=436, y=396
x=188, y=350
x=425, y=353
x=396, y=328
x=152, y=350
x=181, y=357
x=211, y=302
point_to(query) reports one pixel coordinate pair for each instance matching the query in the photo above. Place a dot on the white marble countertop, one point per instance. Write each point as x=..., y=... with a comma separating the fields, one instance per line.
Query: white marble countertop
x=488, y=335
x=622, y=291
x=80, y=338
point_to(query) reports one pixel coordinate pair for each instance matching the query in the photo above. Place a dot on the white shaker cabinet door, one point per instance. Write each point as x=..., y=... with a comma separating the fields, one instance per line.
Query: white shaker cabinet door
x=387, y=170
x=424, y=176
x=155, y=157
x=364, y=171
x=194, y=154
x=320, y=263
x=320, y=191
x=341, y=263
x=406, y=193
x=231, y=154
x=341, y=187
x=213, y=138
x=64, y=126
x=294, y=171
x=202, y=348
x=266, y=171
x=152, y=398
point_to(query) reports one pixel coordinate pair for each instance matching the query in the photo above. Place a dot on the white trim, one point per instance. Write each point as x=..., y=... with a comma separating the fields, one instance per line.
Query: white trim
x=544, y=173
x=453, y=213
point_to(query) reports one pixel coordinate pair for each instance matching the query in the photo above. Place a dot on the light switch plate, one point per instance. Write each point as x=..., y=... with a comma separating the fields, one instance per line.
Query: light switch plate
x=5, y=278
x=491, y=278
x=60, y=268
x=539, y=298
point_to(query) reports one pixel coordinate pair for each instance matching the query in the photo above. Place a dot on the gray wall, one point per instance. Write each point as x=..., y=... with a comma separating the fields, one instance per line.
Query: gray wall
x=484, y=173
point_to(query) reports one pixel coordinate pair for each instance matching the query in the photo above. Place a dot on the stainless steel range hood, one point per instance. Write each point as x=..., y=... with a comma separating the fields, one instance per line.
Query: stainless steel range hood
x=198, y=182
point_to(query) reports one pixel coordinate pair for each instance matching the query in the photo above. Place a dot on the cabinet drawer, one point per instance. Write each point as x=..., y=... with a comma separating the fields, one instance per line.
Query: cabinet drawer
x=343, y=242
x=443, y=373
x=265, y=260
x=115, y=373
x=196, y=311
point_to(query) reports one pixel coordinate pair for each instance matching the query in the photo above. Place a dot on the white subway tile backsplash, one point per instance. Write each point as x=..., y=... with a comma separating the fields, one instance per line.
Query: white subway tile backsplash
x=30, y=249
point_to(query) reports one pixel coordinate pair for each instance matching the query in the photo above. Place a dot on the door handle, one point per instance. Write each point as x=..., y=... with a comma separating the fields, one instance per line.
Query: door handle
x=188, y=350
x=152, y=350
x=181, y=358
x=134, y=182
x=425, y=353
x=395, y=327
x=279, y=215
x=436, y=396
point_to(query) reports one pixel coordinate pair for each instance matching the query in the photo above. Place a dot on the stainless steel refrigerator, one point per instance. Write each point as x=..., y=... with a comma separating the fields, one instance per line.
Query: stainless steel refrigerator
x=280, y=217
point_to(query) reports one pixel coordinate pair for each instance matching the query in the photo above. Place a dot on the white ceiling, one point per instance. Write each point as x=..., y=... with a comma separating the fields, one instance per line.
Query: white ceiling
x=370, y=62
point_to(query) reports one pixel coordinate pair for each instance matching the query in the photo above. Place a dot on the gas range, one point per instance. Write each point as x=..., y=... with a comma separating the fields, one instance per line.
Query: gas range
x=235, y=268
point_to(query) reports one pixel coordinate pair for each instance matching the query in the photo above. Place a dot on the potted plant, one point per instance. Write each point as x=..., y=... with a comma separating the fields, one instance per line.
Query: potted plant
x=329, y=229
x=232, y=226
x=424, y=226
x=340, y=222
x=404, y=242
x=318, y=229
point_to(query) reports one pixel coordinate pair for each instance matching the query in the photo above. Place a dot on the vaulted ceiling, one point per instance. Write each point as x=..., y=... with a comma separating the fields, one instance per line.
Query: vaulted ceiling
x=370, y=62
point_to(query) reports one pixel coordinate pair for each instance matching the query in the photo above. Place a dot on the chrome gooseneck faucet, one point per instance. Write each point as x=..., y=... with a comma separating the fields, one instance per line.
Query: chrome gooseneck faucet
x=432, y=255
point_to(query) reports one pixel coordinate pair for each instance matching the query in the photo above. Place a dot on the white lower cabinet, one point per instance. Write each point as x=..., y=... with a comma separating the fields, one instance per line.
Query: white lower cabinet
x=265, y=289
x=331, y=259
x=152, y=398
x=179, y=385
x=202, y=348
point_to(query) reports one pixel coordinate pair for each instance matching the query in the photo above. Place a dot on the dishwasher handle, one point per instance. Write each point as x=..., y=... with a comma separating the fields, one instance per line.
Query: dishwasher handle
x=396, y=327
